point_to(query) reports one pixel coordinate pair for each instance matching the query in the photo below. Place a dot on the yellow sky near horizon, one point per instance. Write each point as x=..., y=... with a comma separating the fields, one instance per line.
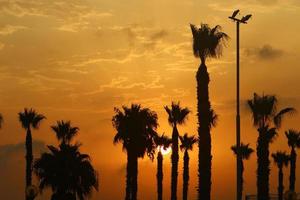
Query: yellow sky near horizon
x=78, y=59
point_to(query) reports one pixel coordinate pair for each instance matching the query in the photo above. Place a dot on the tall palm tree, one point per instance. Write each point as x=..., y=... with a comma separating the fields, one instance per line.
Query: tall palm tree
x=293, y=137
x=281, y=159
x=187, y=144
x=176, y=116
x=207, y=43
x=67, y=172
x=246, y=152
x=162, y=143
x=29, y=119
x=265, y=115
x=135, y=128
x=64, y=131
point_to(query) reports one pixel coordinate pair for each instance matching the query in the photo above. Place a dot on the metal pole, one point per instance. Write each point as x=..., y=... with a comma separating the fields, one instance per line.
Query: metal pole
x=238, y=126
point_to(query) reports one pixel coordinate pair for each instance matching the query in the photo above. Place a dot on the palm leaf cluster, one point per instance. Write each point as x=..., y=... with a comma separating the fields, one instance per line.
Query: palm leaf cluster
x=67, y=172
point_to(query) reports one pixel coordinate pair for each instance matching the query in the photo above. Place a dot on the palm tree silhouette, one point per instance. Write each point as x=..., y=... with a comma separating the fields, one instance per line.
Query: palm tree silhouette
x=265, y=115
x=64, y=131
x=176, y=115
x=1, y=120
x=207, y=43
x=162, y=142
x=293, y=137
x=29, y=119
x=67, y=172
x=186, y=145
x=281, y=159
x=135, y=128
x=246, y=152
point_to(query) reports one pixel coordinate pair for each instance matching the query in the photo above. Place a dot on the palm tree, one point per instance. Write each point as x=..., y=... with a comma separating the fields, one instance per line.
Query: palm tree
x=207, y=43
x=186, y=145
x=67, y=172
x=281, y=159
x=176, y=115
x=246, y=152
x=293, y=137
x=265, y=115
x=64, y=131
x=135, y=128
x=162, y=143
x=1, y=120
x=29, y=119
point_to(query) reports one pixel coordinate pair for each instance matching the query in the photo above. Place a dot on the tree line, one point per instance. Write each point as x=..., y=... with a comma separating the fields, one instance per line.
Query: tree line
x=70, y=174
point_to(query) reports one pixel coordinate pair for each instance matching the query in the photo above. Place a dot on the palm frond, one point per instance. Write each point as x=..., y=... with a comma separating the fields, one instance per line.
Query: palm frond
x=281, y=158
x=279, y=116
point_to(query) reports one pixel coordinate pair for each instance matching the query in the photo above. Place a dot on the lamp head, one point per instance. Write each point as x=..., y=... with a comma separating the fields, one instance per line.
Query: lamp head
x=235, y=13
x=246, y=18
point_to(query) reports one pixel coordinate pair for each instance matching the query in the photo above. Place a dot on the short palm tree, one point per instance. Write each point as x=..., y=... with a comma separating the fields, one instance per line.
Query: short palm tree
x=187, y=143
x=246, y=152
x=293, y=137
x=265, y=115
x=67, y=172
x=162, y=143
x=207, y=43
x=64, y=131
x=281, y=159
x=29, y=119
x=176, y=116
x=135, y=128
x=1, y=120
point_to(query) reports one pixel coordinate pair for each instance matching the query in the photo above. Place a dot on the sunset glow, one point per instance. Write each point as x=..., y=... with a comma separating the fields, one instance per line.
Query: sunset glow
x=77, y=60
x=164, y=151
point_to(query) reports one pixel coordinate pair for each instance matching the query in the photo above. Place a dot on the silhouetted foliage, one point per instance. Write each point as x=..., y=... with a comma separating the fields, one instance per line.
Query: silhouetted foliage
x=264, y=114
x=177, y=115
x=246, y=152
x=187, y=144
x=293, y=137
x=162, y=142
x=29, y=119
x=1, y=120
x=67, y=172
x=207, y=43
x=281, y=159
x=64, y=131
x=135, y=128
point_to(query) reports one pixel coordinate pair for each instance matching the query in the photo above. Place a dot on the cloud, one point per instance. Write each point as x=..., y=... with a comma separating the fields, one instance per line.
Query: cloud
x=255, y=6
x=9, y=151
x=159, y=35
x=10, y=29
x=265, y=52
x=124, y=83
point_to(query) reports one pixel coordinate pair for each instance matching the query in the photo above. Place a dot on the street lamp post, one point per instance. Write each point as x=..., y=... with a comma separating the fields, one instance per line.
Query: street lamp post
x=243, y=20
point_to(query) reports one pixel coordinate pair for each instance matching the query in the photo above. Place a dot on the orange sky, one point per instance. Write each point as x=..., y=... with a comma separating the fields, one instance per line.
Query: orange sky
x=77, y=59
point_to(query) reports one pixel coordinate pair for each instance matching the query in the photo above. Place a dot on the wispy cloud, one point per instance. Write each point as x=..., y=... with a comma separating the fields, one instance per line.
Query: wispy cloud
x=266, y=52
x=10, y=29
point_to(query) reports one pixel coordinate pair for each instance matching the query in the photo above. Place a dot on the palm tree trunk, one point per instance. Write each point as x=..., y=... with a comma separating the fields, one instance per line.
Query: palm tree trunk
x=185, y=175
x=204, y=144
x=159, y=176
x=242, y=180
x=134, y=178
x=128, y=176
x=280, y=184
x=29, y=158
x=293, y=170
x=174, y=157
x=263, y=167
